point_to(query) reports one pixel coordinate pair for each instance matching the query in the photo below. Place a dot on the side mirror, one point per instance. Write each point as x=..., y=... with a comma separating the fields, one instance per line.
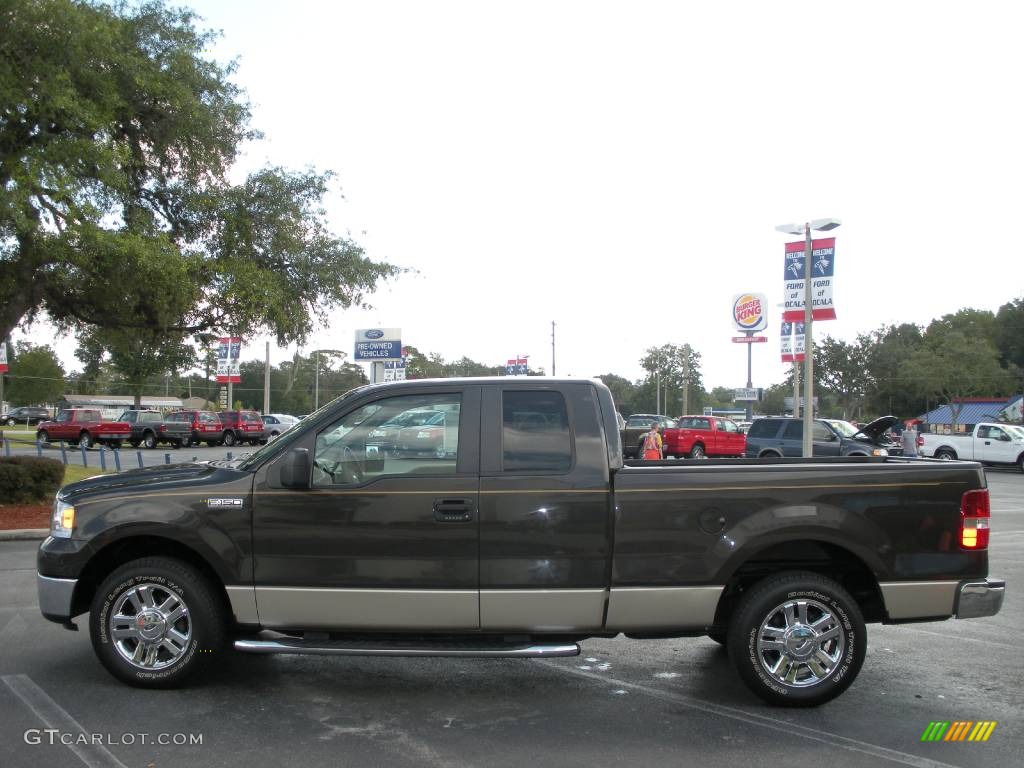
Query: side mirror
x=295, y=469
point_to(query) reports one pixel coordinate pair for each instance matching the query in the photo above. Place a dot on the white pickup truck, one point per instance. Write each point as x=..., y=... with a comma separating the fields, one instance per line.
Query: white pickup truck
x=989, y=443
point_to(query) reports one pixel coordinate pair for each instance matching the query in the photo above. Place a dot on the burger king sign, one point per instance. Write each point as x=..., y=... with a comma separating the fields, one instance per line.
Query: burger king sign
x=749, y=312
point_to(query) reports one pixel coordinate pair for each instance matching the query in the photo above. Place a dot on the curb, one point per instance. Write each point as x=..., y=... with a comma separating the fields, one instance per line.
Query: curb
x=24, y=534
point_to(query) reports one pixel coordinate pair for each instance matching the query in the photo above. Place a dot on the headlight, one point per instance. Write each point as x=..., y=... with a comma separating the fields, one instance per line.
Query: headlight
x=423, y=435
x=377, y=433
x=63, y=520
x=879, y=452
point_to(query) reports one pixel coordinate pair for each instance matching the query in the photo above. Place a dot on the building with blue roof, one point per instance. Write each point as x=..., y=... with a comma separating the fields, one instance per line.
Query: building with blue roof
x=973, y=411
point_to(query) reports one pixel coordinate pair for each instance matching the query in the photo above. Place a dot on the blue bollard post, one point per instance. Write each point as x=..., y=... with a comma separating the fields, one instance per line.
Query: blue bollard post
x=7, y=447
x=39, y=448
x=230, y=456
x=167, y=458
x=85, y=458
x=139, y=454
x=103, y=459
x=63, y=453
x=117, y=459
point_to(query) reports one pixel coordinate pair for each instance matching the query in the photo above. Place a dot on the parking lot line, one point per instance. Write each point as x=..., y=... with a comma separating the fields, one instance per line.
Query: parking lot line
x=54, y=716
x=790, y=729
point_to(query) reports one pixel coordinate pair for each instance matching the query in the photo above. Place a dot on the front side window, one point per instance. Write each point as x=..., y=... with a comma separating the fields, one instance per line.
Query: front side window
x=535, y=432
x=372, y=442
x=794, y=430
x=822, y=433
x=728, y=426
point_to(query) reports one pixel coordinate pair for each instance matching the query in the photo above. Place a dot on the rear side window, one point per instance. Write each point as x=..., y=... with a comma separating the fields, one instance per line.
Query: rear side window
x=694, y=422
x=794, y=430
x=763, y=428
x=535, y=432
x=250, y=417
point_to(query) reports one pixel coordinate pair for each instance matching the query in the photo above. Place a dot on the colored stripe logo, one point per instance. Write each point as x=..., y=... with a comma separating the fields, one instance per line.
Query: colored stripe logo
x=959, y=730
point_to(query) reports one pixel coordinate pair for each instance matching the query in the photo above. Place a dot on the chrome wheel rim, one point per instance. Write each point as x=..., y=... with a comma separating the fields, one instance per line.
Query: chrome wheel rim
x=800, y=643
x=151, y=626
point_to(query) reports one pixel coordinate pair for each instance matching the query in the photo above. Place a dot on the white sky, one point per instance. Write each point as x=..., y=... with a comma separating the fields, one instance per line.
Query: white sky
x=619, y=167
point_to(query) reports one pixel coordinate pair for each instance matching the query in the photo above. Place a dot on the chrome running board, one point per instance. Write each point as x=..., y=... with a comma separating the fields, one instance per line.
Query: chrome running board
x=469, y=649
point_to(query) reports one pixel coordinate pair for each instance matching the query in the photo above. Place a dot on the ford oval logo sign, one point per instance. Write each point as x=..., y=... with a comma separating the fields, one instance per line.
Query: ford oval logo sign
x=374, y=333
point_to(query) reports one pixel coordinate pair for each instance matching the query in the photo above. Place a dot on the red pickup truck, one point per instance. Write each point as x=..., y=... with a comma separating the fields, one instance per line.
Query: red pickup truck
x=698, y=437
x=85, y=427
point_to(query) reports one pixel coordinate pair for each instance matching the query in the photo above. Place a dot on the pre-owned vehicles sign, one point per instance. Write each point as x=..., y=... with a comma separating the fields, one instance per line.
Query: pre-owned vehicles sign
x=378, y=344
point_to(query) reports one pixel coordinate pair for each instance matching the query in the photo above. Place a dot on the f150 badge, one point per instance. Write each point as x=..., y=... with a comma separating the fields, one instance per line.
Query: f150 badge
x=224, y=503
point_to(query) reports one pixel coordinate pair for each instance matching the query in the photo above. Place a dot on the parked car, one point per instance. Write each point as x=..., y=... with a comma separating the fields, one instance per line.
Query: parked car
x=697, y=437
x=276, y=424
x=85, y=427
x=744, y=426
x=149, y=428
x=989, y=443
x=636, y=425
x=533, y=537
x=386, y=435
x=435, y=437
x=241, y=427
x=778, y=436
x=26, y=415
x=205, y=426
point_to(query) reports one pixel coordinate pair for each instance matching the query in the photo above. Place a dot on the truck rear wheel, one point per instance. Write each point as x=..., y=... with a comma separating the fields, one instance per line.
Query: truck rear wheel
x=149, y=440
x=156, y=621
x=85, y=440
x=945, y=454
x=797, y=639
x=698, y=452
x=228, y=439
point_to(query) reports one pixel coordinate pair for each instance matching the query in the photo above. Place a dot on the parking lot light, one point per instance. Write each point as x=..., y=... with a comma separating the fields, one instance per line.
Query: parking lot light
x=820, y=225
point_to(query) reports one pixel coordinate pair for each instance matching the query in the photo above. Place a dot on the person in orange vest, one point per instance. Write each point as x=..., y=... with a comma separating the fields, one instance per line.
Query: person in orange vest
x=652, y=444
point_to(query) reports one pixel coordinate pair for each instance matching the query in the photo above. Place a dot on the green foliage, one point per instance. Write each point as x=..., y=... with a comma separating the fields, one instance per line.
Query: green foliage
x=841, y=369
x=36, y=376
x=623, y=392
x=1009, y=332
x=116, y=212
x=28, y=479
x=678, y=370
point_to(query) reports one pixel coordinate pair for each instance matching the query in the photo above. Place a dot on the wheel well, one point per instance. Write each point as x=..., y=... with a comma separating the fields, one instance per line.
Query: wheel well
x=946, y=449
x=120, y=552
x=769, y=454
x=821, y=557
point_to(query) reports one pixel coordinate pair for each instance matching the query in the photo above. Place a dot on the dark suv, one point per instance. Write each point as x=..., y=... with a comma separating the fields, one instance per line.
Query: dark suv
x=150, y=428
x=775, y=437
x=26, y=415
x=242, y=427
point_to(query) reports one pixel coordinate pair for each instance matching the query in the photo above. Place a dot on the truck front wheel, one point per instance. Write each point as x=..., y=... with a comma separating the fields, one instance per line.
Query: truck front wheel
x=85, y=440
x=156, y=621
x=797, y=639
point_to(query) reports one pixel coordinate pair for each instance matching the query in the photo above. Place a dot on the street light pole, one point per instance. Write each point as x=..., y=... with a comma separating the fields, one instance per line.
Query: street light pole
x=808, y=448
x=316, y=385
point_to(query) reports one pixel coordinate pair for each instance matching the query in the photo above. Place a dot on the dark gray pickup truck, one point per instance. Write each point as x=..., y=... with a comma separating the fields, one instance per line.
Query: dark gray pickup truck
x=513, y=529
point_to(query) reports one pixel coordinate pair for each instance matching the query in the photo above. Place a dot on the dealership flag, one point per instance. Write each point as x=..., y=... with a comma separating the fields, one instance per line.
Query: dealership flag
x=823, y=264
x=3, y=357
x=229, y=354
x=791, y=340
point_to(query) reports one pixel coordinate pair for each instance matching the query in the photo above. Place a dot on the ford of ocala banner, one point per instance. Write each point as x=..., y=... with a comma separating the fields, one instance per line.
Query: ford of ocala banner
x=823, y=264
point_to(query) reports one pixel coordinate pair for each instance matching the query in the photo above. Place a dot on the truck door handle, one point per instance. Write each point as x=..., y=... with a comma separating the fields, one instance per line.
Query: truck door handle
x=453, y=510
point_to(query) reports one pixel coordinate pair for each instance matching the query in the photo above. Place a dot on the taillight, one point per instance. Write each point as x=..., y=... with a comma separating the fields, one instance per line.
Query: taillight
x=974, y=518
x=920, y=441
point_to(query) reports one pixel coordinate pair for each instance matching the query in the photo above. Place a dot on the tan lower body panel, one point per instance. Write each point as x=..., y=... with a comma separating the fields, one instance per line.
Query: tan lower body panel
x=368, y=609
x=542, y=610
x=918, y=599
x=243, y=604
x=657, y=609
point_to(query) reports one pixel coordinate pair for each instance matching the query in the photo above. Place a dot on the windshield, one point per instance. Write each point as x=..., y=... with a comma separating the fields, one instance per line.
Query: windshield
x=289, y=437
x=1017, y=432
x=844, y=428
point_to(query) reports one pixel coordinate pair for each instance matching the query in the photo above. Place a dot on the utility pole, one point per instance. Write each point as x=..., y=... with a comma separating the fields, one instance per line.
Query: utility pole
x=316, y=383
x=266, y=382
x=657, y=391
x=552, y=347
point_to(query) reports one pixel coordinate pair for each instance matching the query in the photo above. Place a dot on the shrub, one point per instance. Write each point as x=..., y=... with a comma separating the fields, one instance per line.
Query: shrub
x=29, y=480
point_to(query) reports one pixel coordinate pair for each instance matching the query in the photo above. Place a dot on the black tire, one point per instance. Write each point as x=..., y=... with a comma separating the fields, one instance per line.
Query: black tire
x=114, y=445
x=42, y=437
x=229, y=439
x=11, y=422
x=185, y=442
x=770, y=455
x=85, y=440
x=697, y=452
x=945, y=454
x=202, y=624
x=753, y=622
x=133, y=443
x=149, y=441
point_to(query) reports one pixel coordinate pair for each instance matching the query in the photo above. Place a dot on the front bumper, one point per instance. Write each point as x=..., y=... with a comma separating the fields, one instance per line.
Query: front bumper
x=980, y=598
x=55, y=597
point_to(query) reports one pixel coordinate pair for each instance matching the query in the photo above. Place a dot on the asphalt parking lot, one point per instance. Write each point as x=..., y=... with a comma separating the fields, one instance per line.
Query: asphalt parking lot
x=622, y=702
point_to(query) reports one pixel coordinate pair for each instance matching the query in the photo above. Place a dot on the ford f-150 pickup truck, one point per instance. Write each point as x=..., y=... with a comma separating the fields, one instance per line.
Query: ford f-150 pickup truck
x=990, y=443
x=85, y=427
x=528, y=534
